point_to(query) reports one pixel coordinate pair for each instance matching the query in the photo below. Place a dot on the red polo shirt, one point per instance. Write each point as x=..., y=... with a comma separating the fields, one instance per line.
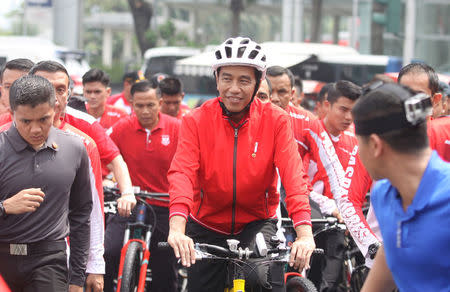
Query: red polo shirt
x=110, y=116
x=148, y=153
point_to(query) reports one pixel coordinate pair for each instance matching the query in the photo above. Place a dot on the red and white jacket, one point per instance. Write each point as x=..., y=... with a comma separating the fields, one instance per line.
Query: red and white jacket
x=349, y=184
x=110, y=116
x=224, y=176
x=119, y=100
x=308, y=134
x=89, y=125
x=96, y=263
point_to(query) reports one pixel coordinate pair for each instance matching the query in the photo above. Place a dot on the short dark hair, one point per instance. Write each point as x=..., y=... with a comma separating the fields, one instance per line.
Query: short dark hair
x=275, y=71
x=96, y=75
x=20, y=64
x=141, y=86
x=170, y=86
x=444, y=88
x=387, y=101
x=415, y=68
x=343, y=88
x=49, y=66
x=31, y=90
x=131, y=77
x=323, y=91
x=298, y=82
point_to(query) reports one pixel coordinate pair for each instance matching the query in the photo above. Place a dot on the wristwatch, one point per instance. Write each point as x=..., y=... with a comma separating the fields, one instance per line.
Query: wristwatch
x=2, y=210
x=373, y=248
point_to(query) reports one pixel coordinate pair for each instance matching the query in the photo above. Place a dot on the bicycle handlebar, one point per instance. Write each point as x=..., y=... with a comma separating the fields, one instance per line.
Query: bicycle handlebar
x=113, y=193
x=210, y=251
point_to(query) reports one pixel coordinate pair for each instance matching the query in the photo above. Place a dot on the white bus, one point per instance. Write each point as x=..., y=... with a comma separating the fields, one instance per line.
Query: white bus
x=162, y=59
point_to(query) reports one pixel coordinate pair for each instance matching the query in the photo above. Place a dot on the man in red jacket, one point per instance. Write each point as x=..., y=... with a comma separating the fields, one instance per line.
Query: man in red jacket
x=223, y=176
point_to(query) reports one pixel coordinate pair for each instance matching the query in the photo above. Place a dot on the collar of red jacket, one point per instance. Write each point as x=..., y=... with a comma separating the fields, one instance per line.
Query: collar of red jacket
x=250, y=113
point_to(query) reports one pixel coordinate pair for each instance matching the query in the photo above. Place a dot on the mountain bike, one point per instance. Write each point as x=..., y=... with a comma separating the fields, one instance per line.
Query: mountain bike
x=133, y=274
x=239, y=258
x=353, y=269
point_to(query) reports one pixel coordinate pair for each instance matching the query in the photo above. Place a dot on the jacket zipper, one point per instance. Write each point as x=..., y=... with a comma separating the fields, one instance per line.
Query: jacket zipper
x=201, y=202
x=233, y=210
x=233, y=214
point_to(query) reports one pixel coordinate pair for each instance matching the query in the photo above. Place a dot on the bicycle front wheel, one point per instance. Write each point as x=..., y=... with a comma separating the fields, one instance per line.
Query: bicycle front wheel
x=299, y=284
x=131, y=267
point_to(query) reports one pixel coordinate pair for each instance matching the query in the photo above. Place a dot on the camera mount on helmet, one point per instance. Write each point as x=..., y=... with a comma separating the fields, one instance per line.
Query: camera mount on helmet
x=415, y=108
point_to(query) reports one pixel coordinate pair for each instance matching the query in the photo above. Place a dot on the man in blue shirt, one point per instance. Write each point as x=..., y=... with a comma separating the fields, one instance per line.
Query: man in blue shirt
x=412, y=197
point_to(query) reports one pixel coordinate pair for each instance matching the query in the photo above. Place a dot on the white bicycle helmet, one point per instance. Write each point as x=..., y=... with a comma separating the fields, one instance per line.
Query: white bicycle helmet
x=240, y=51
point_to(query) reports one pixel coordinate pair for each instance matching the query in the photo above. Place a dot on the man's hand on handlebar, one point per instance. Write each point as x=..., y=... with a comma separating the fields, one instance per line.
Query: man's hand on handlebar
x=302, y=248
x=125, y=204
x=183, y=246
x=337, y=215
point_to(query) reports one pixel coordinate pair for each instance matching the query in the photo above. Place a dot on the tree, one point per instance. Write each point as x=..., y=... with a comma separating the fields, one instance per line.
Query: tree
x=142, y=13
x=316, y=20
x=237, y=7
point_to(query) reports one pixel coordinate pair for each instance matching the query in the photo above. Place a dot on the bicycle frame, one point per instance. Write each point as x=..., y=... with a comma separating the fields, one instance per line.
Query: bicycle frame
x=136, y=242
x=139, y=227
x=144, y=264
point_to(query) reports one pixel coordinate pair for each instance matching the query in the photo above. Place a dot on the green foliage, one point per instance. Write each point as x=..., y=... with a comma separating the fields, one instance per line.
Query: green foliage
x=116, y=71
x=152, y=37
x=167, y=34
x=167, y=30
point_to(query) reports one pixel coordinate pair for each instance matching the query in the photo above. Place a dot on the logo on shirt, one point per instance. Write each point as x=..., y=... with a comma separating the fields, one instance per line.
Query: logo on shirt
x=165, y=140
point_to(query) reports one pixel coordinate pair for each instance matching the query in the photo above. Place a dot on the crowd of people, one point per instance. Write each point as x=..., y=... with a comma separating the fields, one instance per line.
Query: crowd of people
x=229, y=166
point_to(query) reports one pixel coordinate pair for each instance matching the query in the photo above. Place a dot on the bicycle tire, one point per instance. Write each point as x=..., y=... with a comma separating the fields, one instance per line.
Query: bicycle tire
x=358, y=278
x=299, y=284
x=131, y=267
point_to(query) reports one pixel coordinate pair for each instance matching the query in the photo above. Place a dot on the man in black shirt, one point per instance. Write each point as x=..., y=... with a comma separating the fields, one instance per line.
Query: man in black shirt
x=45, y=193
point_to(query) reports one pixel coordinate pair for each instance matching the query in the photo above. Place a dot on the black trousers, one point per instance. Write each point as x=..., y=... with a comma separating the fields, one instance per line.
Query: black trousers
x=46, y=271
x=162, y=262
x=212, y=276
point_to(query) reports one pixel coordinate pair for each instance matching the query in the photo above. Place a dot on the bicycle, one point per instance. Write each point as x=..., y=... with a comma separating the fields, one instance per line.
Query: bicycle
x=239, y=257
x=354, y=271
x=134, y=257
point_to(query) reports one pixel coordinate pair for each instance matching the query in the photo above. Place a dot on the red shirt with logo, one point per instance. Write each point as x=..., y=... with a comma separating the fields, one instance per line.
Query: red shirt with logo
x=439, y=135
x=110, y=116
x=119, y=100
x=148, y=153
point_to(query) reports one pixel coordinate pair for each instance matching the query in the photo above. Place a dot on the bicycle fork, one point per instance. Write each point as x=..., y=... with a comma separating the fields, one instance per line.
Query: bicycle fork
x=139, y=224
